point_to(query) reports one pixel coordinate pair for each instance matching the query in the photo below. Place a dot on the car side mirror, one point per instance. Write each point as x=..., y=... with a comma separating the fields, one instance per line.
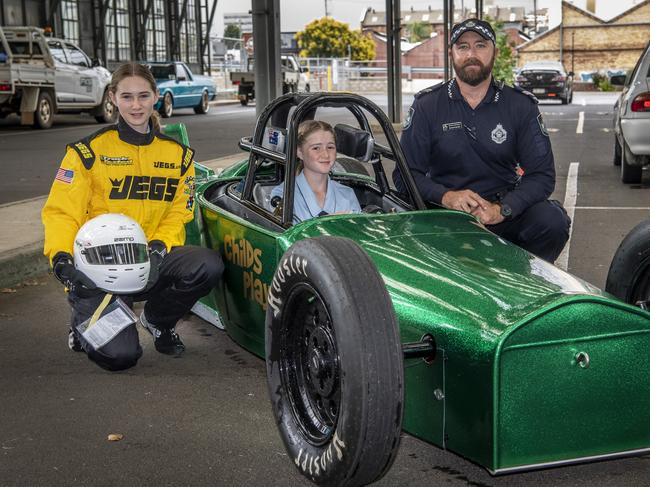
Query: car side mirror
x=618, y=80
x=171, y=76
x=96, y=62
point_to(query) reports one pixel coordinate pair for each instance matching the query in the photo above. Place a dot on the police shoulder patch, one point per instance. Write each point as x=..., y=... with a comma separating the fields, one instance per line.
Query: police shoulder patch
x=542, y=125
x=409, y=118
x=527, y=93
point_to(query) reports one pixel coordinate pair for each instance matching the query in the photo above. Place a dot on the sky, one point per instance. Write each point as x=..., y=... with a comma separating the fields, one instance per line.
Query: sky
x=295, y=14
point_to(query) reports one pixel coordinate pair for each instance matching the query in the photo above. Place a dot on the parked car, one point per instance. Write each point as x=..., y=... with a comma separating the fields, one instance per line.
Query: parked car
x=409, y=315
x=180, y=88
x=546, y=80
x=41, y=76
x=632, y=120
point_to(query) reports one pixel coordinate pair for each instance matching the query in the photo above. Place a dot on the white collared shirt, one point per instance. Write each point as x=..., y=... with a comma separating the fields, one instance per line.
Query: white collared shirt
x=339, y=198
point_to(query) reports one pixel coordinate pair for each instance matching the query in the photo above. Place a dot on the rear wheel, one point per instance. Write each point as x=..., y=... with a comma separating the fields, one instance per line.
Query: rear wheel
x=334, y=363
x=167, y=107
x=629, y=274
x=44, y=114
x=204, y=106
x=630, y=174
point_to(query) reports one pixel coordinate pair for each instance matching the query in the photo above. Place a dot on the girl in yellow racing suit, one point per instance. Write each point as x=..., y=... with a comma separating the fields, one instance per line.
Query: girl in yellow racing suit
x=133, y=169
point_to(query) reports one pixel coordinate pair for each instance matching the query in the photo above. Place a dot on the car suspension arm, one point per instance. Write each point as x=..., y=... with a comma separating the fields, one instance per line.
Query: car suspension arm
x=425, y=348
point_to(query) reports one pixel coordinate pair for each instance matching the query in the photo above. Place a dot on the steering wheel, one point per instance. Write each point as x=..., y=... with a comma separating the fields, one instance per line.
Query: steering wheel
x=372, y=209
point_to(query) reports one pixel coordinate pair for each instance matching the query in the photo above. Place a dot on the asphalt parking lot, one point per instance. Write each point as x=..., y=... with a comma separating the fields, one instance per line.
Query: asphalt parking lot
x=204, y=418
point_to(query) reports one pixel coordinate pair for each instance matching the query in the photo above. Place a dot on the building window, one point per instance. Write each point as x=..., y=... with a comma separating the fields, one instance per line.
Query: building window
x=188, y=36
x=156, y=46
x=117, y=31
x=70, y=20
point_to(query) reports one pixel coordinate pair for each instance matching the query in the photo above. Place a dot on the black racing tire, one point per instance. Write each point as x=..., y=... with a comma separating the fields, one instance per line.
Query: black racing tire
x=167, y=106
x=617, y=152
x=44, y=114
x=203, y=107
x=106, y=112
x=334, y=363
x=350, y=165
x=630, y=174
x=629, y=273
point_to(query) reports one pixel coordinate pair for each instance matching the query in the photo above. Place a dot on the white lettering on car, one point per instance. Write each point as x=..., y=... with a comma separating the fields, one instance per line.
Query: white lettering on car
x=318, y=464
x=289, y=265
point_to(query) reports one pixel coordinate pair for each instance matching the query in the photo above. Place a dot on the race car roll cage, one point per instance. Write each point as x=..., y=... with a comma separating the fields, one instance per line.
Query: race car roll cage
x=305, y=104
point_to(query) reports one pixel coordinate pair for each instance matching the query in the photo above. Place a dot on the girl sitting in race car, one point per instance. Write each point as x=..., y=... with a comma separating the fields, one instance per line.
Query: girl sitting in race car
x=315, y=193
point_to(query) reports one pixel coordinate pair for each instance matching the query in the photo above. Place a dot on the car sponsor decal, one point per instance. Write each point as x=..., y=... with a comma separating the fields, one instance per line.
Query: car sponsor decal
x=143, y=188
x=288, y=266
x=241, y=253
x=64, y=175
x=542, y=125
x=116, y=161
x=317, y=464
x=499, y=134
x=88, y=83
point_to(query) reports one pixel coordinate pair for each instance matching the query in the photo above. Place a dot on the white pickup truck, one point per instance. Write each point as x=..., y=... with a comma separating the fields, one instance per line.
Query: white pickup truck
x=41, y=76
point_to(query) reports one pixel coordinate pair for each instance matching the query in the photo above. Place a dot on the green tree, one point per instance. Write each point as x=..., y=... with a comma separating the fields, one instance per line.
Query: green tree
x=505, y=61
x=327, y=37
x=233, y=31
x=418, y=31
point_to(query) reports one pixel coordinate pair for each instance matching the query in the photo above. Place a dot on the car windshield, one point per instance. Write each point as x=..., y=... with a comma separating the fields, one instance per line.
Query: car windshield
x=163, y=71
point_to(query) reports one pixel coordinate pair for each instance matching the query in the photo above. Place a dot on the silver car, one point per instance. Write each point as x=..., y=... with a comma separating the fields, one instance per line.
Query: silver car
x=632, y=120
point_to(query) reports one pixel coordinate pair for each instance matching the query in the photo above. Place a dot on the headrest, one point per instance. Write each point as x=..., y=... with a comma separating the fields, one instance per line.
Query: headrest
x=274, y=139
x=354, y=142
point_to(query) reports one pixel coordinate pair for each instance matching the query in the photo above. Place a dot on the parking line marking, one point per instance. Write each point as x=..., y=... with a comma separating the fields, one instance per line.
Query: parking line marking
x=570, y=197
x=581, y=122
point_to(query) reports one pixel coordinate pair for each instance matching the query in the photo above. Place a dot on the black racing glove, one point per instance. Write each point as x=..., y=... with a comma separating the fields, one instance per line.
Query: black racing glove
x=157, y=252
x=76, y=281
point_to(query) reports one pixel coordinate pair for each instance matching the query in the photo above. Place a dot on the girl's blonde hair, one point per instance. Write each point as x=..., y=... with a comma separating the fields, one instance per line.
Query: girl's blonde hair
x=130, y=69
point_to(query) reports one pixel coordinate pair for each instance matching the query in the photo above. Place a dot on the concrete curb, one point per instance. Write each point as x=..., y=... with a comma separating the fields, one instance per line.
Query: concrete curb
x=21, y=264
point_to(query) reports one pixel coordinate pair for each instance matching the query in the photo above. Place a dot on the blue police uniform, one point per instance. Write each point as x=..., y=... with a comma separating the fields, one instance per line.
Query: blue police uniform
x=500, y=150
x=339, y=198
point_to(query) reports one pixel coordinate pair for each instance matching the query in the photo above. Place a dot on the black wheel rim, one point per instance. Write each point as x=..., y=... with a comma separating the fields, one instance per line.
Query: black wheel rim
x=309, y=365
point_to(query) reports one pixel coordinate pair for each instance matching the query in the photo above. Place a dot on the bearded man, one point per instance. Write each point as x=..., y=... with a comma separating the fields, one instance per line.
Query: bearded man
x=478, y=146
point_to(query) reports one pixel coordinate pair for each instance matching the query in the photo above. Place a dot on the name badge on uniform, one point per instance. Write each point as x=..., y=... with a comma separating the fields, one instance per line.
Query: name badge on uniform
x=446, y=127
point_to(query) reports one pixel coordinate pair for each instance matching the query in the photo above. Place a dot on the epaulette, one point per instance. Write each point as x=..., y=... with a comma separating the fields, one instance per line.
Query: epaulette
x=430, y=89
x=527, y=93
x=83, y=149
x=188, y=157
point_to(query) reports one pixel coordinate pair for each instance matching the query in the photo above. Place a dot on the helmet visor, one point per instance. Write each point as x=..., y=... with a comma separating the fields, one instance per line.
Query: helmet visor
x=116, y=254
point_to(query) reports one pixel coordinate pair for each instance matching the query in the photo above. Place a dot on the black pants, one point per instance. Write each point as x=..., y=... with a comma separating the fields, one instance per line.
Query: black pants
x=187, y=273
x=543, y=229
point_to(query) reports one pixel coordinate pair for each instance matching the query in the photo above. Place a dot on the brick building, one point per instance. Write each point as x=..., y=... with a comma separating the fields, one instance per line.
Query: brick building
x=587, y=43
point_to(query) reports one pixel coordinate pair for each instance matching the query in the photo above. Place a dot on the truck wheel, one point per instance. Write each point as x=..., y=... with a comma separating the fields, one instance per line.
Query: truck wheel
x=107, y=112
x=167, y=107
x=243, y=101
x=44, y=114
x=629, y=174
x=334, y=363
x=307, y=88
x=629, y=274
x=204, y=106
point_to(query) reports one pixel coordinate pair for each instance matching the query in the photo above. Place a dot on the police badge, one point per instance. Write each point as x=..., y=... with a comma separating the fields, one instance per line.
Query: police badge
x=499, y=134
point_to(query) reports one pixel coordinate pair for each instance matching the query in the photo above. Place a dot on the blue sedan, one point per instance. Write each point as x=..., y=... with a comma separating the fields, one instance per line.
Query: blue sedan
x=180, y=88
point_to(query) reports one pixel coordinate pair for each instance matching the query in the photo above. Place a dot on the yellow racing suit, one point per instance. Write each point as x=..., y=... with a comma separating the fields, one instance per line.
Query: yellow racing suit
x=149, y=177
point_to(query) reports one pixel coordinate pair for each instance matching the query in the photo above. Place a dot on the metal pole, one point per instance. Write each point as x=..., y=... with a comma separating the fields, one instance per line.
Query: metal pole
x=445, y=20
x=535, y=15
x=393, y=60
x=266, y=32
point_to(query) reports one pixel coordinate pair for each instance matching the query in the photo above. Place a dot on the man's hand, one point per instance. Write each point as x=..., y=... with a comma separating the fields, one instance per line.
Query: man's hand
x=465, y=200
x=491, y=215
x=76, y=281
x=157, y=252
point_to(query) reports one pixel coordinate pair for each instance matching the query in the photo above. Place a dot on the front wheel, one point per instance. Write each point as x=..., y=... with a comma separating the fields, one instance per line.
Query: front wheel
x=204, y=106
x=629, y=274
x=107, y=112
x=167, y=108
x=334, y=363
x=44, y=114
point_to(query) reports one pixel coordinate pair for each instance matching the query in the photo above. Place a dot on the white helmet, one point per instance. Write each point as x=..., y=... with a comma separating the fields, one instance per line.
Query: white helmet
x=111, y=249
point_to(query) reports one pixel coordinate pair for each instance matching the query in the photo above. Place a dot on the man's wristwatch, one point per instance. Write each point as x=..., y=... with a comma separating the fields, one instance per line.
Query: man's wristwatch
x=506, y=211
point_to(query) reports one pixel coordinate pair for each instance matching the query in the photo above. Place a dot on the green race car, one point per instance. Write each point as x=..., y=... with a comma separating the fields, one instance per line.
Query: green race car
x=410, y=317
